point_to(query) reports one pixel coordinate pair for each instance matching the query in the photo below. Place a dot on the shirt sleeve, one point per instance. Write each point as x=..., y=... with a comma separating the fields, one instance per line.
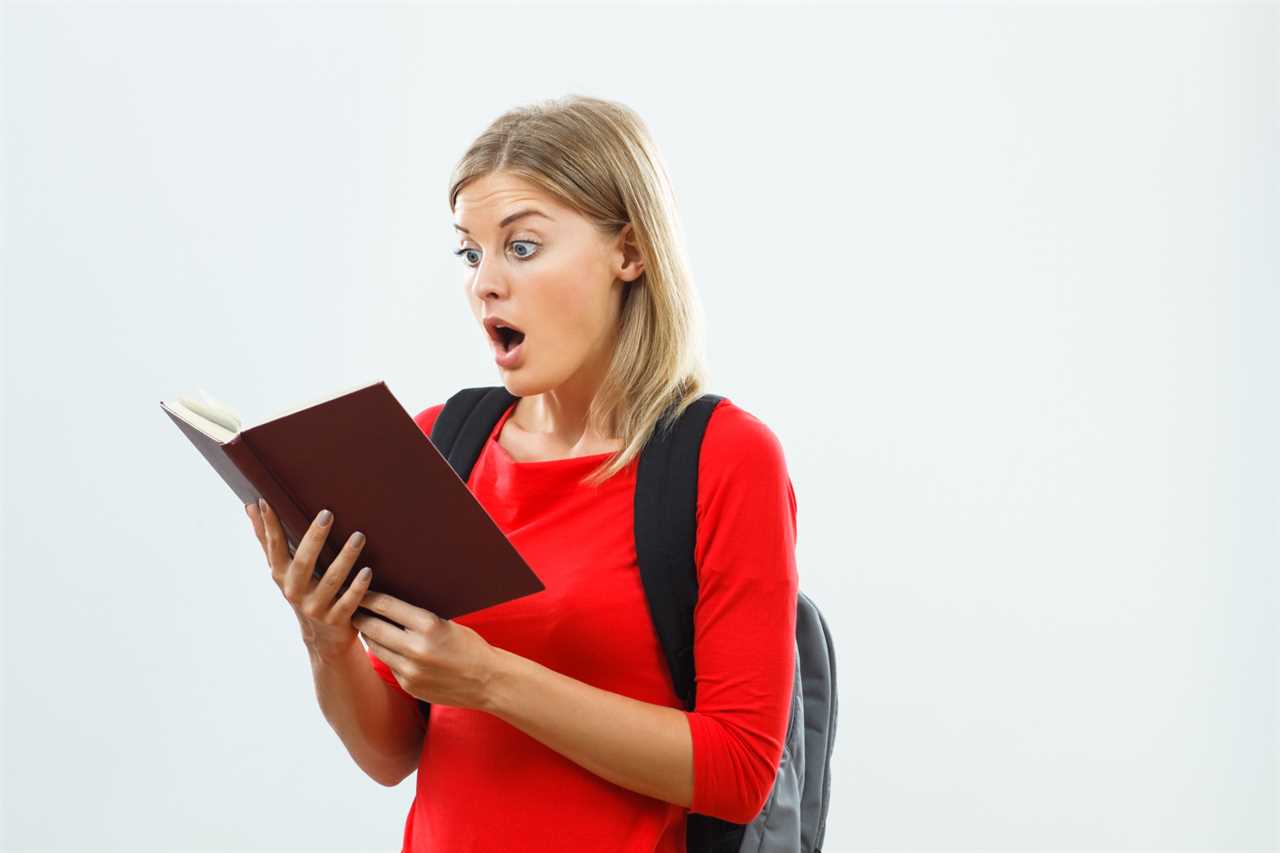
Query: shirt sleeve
x=745, y=617
x=425, y=420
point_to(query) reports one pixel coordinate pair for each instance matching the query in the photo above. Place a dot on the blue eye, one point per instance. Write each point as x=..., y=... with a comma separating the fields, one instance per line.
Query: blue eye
x=529, y=242
x=466, y=249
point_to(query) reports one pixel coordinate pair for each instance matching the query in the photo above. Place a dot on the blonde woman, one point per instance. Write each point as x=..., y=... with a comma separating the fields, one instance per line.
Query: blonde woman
x=553, y=723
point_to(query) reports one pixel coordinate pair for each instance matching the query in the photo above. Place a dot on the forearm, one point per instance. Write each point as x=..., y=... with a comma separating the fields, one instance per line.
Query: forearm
x=640, y=746
x=381, y=730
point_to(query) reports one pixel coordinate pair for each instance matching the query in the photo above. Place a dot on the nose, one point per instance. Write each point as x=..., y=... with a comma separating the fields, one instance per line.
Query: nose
x=487, y=283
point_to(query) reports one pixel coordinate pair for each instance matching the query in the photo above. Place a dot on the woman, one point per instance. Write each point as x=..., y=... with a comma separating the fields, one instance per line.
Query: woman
x=554, y=722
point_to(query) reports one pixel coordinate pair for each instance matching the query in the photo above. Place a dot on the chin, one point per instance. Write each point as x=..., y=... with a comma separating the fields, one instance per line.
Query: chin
x=521, y=386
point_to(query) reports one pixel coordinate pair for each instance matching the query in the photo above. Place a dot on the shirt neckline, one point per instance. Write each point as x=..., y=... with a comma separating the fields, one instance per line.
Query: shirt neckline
x=508, y=459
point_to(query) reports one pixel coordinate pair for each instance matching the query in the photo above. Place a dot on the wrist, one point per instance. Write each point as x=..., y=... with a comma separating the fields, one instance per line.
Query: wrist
x=326, y=654
x=502, y=683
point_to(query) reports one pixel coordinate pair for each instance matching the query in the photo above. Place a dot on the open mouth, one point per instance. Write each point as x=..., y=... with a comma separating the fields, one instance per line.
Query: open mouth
x=509, y=338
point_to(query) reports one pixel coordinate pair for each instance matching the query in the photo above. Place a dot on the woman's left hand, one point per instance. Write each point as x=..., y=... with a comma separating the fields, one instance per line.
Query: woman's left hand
x=434, y=659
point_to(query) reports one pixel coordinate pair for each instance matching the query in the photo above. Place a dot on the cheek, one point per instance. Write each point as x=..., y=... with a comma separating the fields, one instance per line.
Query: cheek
x=560, y=328
x=565, y=305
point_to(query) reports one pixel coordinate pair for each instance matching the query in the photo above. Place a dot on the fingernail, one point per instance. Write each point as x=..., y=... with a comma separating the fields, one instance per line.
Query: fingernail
x=262, y=505
x=323, y=517
x=357, y=539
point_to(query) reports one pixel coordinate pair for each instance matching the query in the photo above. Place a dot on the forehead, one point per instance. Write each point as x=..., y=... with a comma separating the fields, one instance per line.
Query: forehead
x=490, y=197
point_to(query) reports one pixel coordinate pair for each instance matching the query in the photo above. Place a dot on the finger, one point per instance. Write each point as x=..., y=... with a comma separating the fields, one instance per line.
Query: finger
x=348, y=602
x=327, y=589
x=398, y=662
x=252, y=511
x=277, y=546
x=298, y=577
x=400, y=611
x=385, y=633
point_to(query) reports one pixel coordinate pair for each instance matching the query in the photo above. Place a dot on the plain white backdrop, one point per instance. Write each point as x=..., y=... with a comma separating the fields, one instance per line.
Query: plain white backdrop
x=1003, y=280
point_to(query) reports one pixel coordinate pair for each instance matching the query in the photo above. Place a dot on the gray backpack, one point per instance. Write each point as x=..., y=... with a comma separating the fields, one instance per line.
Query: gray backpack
x=794, y=817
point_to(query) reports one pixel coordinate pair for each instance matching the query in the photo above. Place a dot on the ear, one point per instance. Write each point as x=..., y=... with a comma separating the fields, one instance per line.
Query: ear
x=630, y=261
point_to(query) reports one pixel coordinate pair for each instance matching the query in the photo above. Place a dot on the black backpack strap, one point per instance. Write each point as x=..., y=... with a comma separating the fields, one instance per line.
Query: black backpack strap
x=666, y=506
x=464, y=424
x=666, y=514
x=459, y=433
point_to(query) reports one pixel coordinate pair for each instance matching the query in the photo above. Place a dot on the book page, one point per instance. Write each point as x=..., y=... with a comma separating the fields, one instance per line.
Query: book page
x=203, y=403
x=198, y=421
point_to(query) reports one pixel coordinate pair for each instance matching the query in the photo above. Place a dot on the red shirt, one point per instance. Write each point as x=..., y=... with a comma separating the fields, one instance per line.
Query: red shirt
x=484, y=785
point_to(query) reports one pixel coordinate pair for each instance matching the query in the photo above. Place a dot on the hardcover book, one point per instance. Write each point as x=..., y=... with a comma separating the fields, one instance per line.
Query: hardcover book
x=360, y=455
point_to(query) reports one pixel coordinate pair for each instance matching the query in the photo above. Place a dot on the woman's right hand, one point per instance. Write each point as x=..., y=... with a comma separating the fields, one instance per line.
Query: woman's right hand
x=326, y=622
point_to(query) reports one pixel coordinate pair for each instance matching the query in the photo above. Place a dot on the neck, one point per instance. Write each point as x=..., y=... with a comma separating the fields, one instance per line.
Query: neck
x=559, y=415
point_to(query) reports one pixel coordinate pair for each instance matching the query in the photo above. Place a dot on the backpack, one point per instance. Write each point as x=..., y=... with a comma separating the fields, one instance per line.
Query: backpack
x=794, y=816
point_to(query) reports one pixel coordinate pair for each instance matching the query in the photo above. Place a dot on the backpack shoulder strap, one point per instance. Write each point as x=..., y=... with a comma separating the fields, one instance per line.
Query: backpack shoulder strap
x=464, y=424
x=666, y=514
x=666, y=505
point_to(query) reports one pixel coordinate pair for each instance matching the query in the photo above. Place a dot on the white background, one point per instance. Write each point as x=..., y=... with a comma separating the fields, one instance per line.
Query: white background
x=1003, y=280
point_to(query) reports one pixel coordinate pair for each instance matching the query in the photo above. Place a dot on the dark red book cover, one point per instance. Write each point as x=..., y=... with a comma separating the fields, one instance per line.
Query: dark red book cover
x=360, y=455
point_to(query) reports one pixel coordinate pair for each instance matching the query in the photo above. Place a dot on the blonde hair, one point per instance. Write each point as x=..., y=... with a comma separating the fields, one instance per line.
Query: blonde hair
x=597, y=157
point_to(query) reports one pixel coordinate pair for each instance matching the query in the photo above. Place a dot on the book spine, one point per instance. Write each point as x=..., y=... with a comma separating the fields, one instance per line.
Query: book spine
x=294, y=519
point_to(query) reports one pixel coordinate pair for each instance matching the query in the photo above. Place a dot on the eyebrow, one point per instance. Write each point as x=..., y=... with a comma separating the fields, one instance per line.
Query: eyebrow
x=512, y=218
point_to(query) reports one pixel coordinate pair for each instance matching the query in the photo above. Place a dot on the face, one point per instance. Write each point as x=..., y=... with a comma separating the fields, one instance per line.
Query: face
x=552, y=274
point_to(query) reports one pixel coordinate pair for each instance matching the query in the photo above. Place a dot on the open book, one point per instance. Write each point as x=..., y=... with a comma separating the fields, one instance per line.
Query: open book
x=360, y=455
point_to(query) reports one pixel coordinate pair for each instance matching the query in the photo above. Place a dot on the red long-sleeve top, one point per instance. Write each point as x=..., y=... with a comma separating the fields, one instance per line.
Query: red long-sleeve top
x=484, y=785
